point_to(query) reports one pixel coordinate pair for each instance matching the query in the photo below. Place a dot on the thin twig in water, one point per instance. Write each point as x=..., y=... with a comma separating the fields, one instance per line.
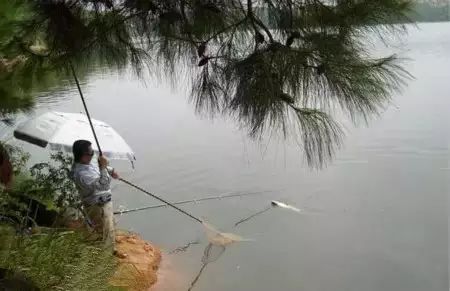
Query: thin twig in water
x=206, y=260
x=253, y=215
x=184, y=248
x=197, y=277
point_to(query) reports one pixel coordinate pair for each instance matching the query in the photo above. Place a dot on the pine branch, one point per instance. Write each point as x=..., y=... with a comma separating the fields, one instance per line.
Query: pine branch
x=267, y=72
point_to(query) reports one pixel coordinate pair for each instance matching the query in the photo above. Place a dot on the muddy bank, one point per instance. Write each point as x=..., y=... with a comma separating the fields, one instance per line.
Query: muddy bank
x=169, y=277
x=138, y=270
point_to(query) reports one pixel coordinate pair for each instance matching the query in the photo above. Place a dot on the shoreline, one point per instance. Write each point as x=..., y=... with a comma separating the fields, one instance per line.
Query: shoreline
x=139, y=269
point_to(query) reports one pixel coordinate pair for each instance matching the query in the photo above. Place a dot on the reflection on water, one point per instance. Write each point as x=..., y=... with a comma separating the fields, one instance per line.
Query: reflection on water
x=54, y=97
x=382, y=201
x=59, y=90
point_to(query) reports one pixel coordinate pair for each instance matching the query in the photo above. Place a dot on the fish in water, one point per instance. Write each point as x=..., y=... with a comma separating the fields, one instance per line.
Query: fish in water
x=273, y=204
x=284, y=205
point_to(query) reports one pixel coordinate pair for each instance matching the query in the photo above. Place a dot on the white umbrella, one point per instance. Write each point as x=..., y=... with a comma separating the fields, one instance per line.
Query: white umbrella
x=58, y=131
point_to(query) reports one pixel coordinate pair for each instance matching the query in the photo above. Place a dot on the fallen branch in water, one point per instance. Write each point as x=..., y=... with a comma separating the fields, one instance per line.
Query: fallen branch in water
x=208, y=257
x=184, y=248
x=197, y=277
x=253, y=215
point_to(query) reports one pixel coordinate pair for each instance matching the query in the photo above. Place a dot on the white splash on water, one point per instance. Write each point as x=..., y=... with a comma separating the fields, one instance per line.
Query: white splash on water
x=284, y=205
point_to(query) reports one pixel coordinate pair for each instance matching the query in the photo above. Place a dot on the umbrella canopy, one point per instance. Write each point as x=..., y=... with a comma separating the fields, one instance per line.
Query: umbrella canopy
x=58, y=131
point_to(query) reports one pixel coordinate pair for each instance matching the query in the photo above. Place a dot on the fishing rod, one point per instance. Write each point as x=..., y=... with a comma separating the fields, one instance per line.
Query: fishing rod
x=162, y=200
x=100, y=153
x=190, y=201
x=85, y=108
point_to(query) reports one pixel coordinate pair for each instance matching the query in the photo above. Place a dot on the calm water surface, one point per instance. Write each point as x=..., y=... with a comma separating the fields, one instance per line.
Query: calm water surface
x=378, y=212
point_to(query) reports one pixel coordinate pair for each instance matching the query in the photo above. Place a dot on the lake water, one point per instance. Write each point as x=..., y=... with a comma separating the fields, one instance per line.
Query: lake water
x=376, y=217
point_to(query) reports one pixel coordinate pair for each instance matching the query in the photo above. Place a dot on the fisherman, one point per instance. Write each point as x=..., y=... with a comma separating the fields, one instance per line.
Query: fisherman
x=94, y=186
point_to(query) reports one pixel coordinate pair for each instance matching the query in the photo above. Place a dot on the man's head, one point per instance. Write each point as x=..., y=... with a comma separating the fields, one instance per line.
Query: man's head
x=82, y=151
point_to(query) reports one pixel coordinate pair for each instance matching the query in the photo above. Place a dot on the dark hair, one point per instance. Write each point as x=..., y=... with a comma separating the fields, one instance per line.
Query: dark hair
x=80, y=148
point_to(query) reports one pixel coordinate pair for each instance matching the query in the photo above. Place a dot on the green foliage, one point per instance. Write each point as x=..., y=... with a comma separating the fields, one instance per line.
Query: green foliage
x=54, y=178
x=274, y=65
x=25, y=74
x=52, y=260
x=11, y=14
x=13, y=99
x=47, y=183
x=57, y=260
x=18, y=157
x=12, y=209
x=10, y=204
